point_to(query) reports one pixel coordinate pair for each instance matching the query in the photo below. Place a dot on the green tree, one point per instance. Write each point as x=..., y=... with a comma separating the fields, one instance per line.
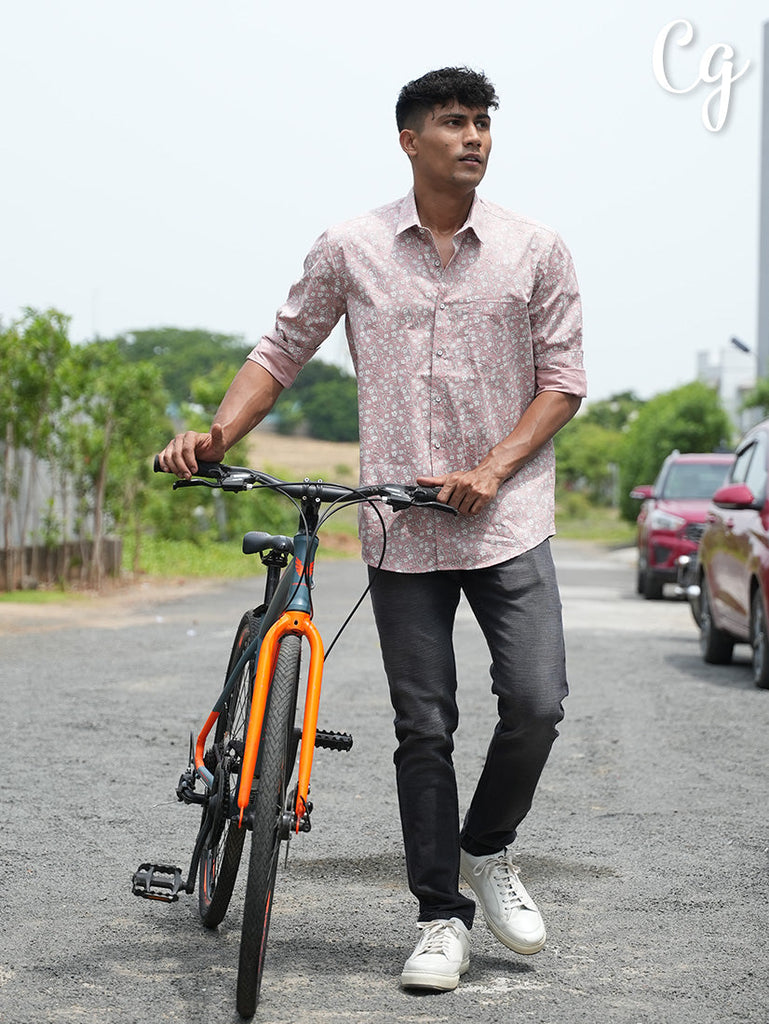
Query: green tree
x=116, y=413
x=205, y=514
x=758, y=397
x=207, y=391
x=689, y=418
x=182, y=355
x=614, y=413
x=324, y=398
x=587, y=448
x=331, y=410
x=31, y=351
x=586, y=459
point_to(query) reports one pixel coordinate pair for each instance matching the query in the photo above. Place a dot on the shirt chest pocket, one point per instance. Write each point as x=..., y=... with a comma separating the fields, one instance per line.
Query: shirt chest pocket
x=491, y=333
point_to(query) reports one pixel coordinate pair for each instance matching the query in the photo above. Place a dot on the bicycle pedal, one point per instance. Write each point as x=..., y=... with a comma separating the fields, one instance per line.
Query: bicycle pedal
x=158, y=882
x=333, y=740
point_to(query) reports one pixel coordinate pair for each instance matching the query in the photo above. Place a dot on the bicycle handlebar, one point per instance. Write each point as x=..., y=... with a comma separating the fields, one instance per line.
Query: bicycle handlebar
x=239, y=478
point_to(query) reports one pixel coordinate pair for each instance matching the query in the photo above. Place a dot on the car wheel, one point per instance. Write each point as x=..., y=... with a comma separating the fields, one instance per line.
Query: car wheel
x=653, y=586
x=694, y=606
x=640, y=580
x=716, y=645
x=759, y=642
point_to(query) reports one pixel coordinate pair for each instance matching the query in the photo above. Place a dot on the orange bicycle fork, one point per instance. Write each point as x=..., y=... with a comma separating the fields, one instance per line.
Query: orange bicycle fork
x=300, y=624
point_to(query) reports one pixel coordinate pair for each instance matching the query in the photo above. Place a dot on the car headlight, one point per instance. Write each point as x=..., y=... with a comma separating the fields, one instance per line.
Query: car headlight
x=660, y=520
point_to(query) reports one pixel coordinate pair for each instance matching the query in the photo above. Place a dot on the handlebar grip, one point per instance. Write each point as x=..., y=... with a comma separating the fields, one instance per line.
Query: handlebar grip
x=211, y=469
x=426, y=493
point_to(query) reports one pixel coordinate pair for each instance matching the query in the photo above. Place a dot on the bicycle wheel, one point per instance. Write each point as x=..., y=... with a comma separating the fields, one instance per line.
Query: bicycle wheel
x=220, y=856
x=269, y=802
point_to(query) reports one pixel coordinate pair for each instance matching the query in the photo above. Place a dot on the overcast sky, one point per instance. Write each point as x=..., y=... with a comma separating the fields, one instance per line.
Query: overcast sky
x=169, y=162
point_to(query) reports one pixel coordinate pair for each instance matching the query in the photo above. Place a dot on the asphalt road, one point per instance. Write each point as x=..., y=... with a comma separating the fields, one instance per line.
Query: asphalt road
x=646, y=848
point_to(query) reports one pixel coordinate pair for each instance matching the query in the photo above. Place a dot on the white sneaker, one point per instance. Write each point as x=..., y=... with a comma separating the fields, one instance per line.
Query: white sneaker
x=440, y=957
x=510, y=912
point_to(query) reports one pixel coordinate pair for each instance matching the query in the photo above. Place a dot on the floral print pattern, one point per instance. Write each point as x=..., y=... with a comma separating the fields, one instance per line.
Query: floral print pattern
x=447, y=360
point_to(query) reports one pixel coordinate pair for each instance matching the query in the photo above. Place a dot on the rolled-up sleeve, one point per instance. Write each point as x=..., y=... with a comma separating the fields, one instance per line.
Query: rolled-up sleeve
x=555, y=315
x=314, y=306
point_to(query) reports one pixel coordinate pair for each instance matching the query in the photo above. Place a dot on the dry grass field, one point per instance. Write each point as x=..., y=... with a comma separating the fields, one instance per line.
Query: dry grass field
x=298, y=457
x=294, y=458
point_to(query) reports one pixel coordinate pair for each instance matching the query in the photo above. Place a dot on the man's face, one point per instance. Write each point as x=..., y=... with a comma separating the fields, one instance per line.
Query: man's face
x=451, y=148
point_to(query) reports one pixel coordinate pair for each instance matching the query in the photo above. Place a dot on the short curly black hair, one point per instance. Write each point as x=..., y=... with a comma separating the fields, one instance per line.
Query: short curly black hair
x=435, y=89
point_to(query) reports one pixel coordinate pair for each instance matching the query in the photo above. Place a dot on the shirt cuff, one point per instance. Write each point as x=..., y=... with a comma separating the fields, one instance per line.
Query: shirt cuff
x=570, y=379
x=267, y=354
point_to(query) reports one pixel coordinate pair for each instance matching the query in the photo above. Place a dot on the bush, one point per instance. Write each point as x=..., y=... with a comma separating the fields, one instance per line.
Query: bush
x=689, y=418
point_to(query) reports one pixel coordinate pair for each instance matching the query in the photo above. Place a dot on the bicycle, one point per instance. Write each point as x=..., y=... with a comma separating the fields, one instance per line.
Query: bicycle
x=246, y=770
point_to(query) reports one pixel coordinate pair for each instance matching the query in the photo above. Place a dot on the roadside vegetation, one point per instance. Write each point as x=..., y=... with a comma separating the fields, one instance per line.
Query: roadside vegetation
x=613, y=446
x=79, y=425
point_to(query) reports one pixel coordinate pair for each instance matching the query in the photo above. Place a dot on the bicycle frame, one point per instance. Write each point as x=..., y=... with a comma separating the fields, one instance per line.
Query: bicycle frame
x=265, y=809
x=296, y=618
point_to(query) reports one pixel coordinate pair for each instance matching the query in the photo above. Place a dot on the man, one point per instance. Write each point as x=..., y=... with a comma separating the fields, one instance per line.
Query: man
x=464, y=325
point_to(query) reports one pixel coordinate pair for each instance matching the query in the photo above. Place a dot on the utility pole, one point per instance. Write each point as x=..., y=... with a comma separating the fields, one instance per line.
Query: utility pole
x=763, y=255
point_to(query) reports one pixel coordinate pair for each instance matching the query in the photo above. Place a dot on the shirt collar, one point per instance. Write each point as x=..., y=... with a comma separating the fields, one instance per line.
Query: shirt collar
x=476, y=219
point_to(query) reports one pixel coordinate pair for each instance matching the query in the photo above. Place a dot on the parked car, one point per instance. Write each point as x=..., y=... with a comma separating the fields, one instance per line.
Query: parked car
x=688, y=582
x=734, y=560
x=672, y=516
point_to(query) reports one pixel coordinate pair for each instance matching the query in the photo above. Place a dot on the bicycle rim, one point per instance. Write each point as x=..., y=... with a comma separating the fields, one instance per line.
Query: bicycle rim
x=221, y=853
x=269, y=802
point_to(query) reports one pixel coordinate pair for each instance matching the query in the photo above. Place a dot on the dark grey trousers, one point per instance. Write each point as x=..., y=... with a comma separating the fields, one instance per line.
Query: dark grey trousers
x=518, y=608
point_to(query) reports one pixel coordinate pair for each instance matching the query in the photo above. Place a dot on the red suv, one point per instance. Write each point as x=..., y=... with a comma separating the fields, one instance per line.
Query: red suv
x=672, y=517
x=734, y=560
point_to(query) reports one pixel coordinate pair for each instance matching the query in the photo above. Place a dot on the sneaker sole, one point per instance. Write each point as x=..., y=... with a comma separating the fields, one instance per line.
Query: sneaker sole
x=525, y=949
x=437, y=982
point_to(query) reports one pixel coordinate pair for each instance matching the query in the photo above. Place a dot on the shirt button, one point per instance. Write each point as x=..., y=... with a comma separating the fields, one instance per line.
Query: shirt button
x=437, y=399
x=436, y=444
x=443, y=305
x=437, y=263
x=439, y=352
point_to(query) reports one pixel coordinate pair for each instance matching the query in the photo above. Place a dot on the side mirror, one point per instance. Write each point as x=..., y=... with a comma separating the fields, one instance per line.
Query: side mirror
x=642, y=492
x=736, y=496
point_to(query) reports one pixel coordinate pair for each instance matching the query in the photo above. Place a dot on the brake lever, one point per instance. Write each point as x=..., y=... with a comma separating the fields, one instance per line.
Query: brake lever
x=439, y=506
x=227, y=478
x=194, y=482
x=399, y=504
x=399, y=499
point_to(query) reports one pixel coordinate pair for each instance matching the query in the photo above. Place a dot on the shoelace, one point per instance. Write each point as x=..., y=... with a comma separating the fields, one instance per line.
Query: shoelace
x=434, y=935
x=504, y=875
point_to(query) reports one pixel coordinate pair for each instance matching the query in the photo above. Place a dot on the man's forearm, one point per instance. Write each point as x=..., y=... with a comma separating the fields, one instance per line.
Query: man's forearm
x=470, y=491
x=249, y=398
x=547, y=413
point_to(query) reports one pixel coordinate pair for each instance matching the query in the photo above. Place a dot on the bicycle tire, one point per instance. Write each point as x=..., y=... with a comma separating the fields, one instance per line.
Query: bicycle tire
x=269, y=802
x=222, y=850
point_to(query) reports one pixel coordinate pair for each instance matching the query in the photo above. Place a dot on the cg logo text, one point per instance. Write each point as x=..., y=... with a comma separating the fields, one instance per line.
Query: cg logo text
x=716, y=67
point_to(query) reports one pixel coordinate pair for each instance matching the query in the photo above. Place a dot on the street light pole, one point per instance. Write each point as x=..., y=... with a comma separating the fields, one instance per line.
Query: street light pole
x=763, y=256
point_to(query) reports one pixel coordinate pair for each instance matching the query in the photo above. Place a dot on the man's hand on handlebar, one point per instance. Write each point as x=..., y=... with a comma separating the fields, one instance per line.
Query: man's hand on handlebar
x=180, y=456
x=468, y=492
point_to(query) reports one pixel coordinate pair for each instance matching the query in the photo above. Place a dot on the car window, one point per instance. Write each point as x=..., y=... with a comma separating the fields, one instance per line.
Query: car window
x=693, y=479
x=756, y=474
x=741, y=465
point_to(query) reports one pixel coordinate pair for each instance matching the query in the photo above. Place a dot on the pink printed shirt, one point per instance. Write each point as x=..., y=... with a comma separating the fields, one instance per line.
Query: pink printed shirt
x=447, y=360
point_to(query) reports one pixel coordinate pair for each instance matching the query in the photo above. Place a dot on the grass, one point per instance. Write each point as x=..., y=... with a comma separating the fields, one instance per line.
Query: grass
x=339, y=539
x=167, y=559
x=602, y=525
x=162, y=559
x=38, y=596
